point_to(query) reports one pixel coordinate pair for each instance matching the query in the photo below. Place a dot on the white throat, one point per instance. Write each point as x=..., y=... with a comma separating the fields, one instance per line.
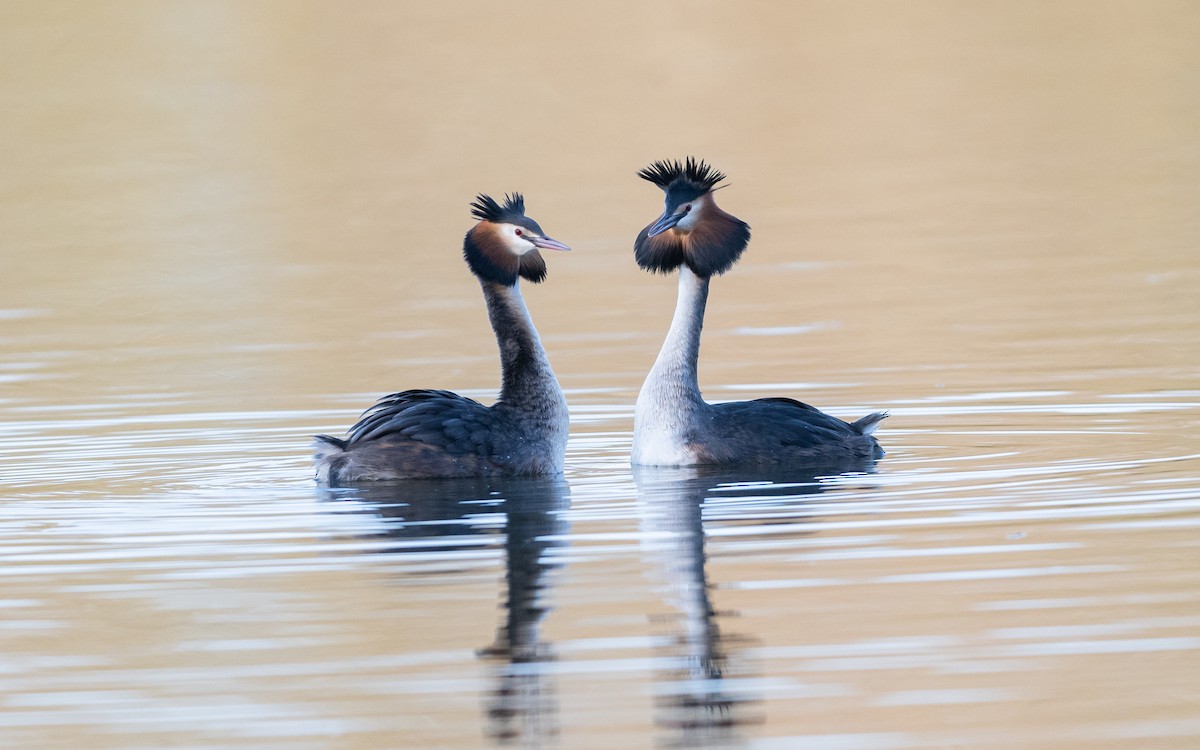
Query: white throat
x=669, y=403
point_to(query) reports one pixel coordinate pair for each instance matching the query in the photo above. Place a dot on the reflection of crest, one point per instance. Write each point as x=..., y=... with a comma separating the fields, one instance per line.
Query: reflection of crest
x=439, y=516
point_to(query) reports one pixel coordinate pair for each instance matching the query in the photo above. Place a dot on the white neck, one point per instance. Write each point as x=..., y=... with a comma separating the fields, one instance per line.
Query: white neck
x=670, y=398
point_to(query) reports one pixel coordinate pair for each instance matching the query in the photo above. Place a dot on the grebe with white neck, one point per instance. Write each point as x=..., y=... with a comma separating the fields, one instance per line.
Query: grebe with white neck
x=430, y=434
x=673, y=425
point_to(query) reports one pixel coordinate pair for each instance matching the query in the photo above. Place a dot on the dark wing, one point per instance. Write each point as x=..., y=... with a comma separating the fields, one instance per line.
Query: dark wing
x=436, y=418
x=783, y=422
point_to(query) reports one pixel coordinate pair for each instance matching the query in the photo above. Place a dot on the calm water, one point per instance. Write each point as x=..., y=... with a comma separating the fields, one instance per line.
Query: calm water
x=226, y=227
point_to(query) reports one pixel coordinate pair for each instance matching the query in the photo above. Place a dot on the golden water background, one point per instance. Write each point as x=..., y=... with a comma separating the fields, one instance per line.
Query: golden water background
x=225, y=226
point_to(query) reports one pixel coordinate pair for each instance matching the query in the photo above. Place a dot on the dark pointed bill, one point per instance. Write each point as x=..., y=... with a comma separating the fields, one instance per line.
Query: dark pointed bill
x=666, y=221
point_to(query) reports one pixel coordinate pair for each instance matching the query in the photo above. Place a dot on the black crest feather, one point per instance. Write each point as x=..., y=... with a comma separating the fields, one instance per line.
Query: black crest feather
x=485, y=208
x=666, y=173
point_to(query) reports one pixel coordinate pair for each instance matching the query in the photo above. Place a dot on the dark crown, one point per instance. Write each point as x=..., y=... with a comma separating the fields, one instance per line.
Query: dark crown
x=485, y=208
x=666, y=173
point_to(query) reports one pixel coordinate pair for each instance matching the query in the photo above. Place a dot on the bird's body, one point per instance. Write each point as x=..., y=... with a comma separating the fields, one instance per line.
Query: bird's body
x=426, y=434
x=673, y=425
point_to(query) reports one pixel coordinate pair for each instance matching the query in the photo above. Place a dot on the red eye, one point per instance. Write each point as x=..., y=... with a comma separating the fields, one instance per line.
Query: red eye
x=687, y=208
x=519, y=232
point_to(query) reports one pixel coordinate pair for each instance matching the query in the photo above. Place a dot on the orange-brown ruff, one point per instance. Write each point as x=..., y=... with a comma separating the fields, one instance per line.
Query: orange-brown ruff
x=423, y=434
x=673, y=425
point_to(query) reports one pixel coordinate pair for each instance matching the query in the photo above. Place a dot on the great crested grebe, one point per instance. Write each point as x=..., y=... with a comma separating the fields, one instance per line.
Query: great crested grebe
x=673, y=425
x=427, y=434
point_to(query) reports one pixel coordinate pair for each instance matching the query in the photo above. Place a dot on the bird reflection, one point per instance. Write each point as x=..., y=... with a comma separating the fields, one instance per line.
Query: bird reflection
x=703, y=699
x=521, y=706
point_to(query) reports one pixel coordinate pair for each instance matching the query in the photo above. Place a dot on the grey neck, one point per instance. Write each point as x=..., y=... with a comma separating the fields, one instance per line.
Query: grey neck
x=527, y=382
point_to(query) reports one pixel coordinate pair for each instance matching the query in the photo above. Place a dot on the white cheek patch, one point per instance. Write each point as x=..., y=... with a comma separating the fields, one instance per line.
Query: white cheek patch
x=517, y=245
x=691, y=218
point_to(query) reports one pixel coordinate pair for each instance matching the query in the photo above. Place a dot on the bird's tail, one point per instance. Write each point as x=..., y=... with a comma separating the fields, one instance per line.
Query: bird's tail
x=327, y=452
x=867, y=424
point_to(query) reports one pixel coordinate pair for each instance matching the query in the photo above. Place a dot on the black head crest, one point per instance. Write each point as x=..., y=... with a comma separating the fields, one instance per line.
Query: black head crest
x=692, y=173
x=485, y=208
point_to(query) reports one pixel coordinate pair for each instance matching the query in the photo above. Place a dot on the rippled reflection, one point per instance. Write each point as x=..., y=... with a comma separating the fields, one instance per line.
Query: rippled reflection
x=430, y=517
x=707, y=693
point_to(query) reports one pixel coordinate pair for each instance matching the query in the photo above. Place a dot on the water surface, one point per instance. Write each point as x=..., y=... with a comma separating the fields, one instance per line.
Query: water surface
x=229, y=227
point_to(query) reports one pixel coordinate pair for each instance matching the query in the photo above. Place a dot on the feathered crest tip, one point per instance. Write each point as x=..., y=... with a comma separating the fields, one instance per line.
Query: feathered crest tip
x=665, y=173
x=485, y=207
